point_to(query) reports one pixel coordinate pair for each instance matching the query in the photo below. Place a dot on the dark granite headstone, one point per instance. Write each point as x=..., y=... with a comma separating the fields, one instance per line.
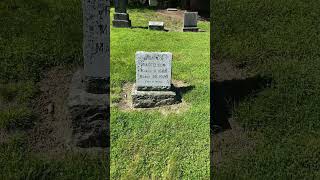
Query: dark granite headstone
x=190, y=22
x=121, y=17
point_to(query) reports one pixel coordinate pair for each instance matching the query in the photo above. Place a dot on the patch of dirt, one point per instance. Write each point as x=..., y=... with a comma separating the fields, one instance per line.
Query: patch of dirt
x=53, y=130
x=125, y=103
x=225, y=70
x=177, y=15
x=51, y=136
x=174, y=19
x=228, y=138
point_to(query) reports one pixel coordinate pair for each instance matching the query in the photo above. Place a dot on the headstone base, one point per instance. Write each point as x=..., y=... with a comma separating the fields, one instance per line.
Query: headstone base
x=190, y=29
x=150, y=99
x=121, y=20
x=96, y=85
x=155, y=25
x=89, y=115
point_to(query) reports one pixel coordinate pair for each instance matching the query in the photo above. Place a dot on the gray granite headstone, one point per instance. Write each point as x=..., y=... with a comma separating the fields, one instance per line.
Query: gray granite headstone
x=153, y=80
x=96, y=44
x=190, y=22
x=153, y=70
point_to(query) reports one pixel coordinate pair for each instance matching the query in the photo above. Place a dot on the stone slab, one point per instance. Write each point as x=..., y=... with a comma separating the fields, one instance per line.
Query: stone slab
x=172, y=9
x=121, y=23
x=190, y=19
x=150, y=99
x=121, y=16
x=89, y=115
x=153, y=69
x=190, y=29
x=156, y=25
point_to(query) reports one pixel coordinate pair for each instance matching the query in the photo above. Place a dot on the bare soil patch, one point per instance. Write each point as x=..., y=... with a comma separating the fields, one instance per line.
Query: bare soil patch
x=177, y=15
x=125, y=103
x=174, y=19
x=51, y=136
x=53, y=131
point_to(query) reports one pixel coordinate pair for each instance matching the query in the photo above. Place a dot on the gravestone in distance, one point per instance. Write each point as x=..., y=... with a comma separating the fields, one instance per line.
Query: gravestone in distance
x=121, y=17
x=153, y=80
x=88, y=102
x=190, y=22
x=156, y=25
x=153, y=3
x=172, y=9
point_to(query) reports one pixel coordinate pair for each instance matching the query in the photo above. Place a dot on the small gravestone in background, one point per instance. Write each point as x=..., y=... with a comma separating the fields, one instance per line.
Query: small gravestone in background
x=88, y=102
x=153, y=80
x=172, y=9
x=156, y=25
x=190, y=22
x=121, y=17
x=153, y=3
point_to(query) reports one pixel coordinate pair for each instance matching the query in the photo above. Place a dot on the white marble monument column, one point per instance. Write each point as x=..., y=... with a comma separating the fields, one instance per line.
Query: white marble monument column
x=88, y=102
x=96, y=45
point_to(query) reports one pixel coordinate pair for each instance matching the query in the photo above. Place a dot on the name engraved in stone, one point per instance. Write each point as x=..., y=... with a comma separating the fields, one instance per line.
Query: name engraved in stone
x=153, y=69
x=96, y=47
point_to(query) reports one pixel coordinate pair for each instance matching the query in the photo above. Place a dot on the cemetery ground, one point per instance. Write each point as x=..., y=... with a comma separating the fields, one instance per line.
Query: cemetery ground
x=168, y=142
x=266, y=87
x=41, y=47
x=41, y=43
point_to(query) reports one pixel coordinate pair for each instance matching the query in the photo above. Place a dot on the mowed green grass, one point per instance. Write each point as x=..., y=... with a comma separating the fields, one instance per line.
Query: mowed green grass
x=279, y=40
x=147, y=144
x=35, y=36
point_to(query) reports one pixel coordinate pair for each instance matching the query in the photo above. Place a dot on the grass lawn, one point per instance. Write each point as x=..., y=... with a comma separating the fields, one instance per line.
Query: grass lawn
x=42, y=34
x=150, y=145
x=34, y=37
x=278, y=40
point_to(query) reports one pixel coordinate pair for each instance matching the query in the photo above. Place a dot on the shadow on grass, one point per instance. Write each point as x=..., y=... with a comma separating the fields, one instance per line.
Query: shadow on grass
x=146, y=27
x=226, y=94
x=139, y=27
x=182, y=90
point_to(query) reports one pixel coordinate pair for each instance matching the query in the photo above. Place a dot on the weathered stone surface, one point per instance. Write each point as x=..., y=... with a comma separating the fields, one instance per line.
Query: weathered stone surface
x=156, y=25
x=153, y=86
x=121, y=23
x=88, y=103
x=149, y=99
x=158, y=88
x=96, y=38
x=89, y=114
x=153, y=70
x=190, y=19
x=96, y=85
x=121, y=17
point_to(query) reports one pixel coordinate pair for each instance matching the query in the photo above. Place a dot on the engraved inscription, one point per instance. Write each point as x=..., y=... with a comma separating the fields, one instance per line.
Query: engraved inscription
x=96, y=42
x=153, y=69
